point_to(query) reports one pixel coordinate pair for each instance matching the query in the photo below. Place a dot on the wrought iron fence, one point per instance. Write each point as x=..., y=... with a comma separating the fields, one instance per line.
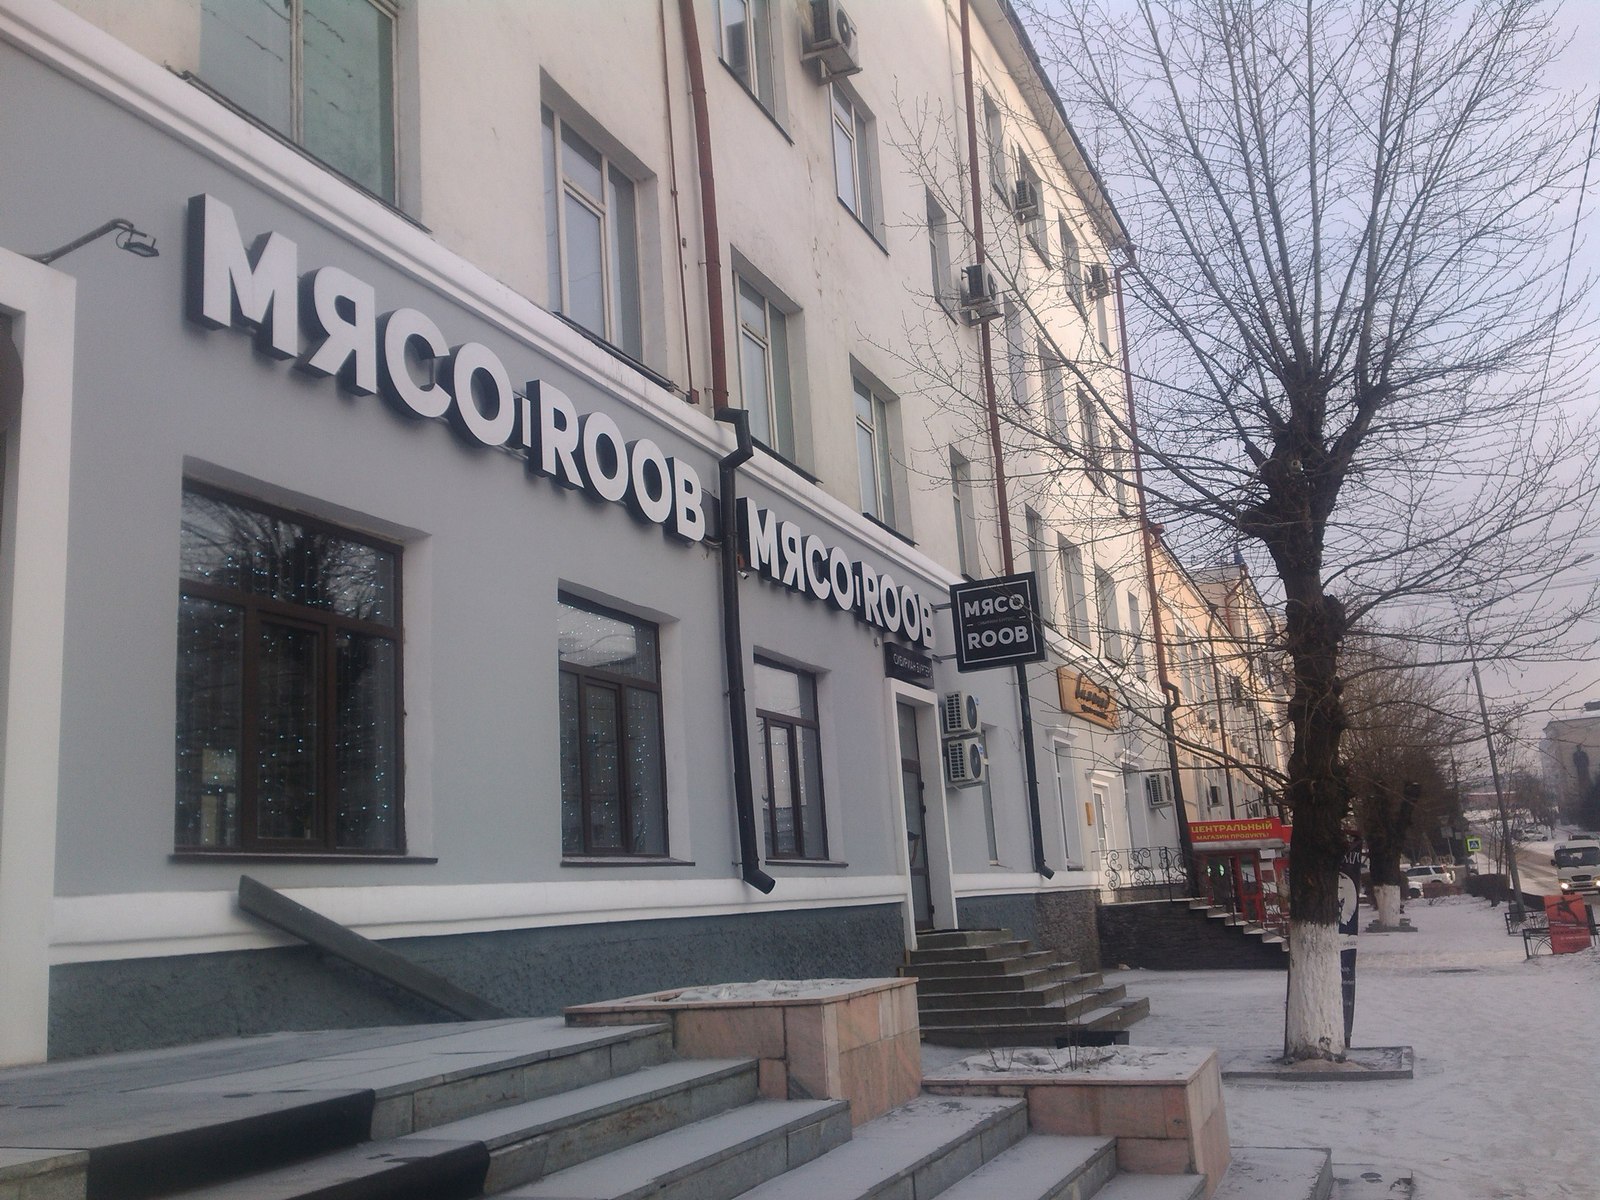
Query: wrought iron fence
x=1145, y=867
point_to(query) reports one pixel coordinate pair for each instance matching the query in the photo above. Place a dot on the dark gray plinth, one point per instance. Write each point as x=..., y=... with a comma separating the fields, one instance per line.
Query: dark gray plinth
x=1362, y=1064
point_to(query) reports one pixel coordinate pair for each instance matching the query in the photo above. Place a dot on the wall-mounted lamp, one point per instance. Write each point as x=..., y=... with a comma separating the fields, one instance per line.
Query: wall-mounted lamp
x=128, y=238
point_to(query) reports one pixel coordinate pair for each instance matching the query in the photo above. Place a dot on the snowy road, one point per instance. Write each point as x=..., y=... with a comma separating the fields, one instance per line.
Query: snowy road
x=1507, y=1052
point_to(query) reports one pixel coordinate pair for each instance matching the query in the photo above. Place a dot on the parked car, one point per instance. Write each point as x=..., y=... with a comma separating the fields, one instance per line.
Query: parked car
x=1577, y=864
x=1416, y=877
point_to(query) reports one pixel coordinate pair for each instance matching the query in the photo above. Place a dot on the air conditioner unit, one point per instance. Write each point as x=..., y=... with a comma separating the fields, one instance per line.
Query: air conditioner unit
x=830, y=40
x=1098, y=282
x=1025, y=201
x=980, y=294
x=965, y=762
x=1157, y=789
x=958, y=714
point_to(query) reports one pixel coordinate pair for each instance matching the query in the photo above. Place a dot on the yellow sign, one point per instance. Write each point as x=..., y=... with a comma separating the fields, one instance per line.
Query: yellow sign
x=1082, y=697
x=1474, y=845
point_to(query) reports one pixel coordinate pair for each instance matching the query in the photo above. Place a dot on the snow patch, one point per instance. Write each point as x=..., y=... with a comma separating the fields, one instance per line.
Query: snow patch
x=762, y=989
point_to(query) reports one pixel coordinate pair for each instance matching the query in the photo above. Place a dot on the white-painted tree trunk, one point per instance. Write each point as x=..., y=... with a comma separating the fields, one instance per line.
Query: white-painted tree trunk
x=1314, y=1025
x=1388, y=897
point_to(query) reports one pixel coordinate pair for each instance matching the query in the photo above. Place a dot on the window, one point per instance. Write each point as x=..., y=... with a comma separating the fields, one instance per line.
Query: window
x=745, y=44
x=1039, y=559
x=1102, y=293
x=591, y=238
x=1071, y=262
x=1105, y=594
x=939, y=254
x=1213, y=796
x=1016, y=356
x=966, y=524
x=1091, y=439
x=764, y=368
x=1055, y=400
x=320, y=72
x=791, y=762
x=1033, y=219
x=872, y=454
x=288, y=683
x=1074, y=591
x=613, y=780
x=995, y=135
x=1136, y=635
x=852, y=156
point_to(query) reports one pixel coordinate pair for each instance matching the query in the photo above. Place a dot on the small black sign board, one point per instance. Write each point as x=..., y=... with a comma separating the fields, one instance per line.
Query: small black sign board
x=997, y=622
x=907, y=665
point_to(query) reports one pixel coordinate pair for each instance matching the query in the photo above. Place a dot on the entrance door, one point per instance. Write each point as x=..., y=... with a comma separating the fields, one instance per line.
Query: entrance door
x=916, y=816
x=1251, y=906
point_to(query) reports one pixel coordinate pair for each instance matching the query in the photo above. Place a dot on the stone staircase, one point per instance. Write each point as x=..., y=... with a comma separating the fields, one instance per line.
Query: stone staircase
x=984, y=988
x=1170, y=935
x=525, y=1108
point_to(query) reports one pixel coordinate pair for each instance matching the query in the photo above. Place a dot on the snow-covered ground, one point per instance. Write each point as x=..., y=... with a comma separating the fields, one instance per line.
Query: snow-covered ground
x=1507, y=1086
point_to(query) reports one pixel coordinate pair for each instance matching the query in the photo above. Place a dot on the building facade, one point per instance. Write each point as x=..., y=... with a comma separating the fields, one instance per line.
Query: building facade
x=368, y=539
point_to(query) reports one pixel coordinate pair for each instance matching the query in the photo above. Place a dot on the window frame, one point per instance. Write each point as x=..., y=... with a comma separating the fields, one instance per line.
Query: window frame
x=295, y=134
x=326, y=624
x=620, y=684
x=940, y=263
x=1111, y=644
x=1071, y=262
x=962, y=502
x=780, y=412
x=618, y=310
x=857, y=131
x=765, y=719
x=1053, y=389
x=1037, y=532
x=760, y=81
x=1036, y=227
x=1074, y=589
x=995, y=135
x=881, y=486
x=1093, y=457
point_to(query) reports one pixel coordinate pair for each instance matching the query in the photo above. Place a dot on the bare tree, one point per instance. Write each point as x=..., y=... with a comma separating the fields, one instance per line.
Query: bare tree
x=1352, y=332
x=1396, y=751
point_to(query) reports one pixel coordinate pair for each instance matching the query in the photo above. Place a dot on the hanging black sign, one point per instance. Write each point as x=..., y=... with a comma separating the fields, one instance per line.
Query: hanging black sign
x=907, y=665
x=997, y=622
x=1349, y=924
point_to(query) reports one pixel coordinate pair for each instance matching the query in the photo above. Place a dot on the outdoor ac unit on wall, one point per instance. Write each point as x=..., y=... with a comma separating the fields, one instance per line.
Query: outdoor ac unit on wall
x=830, y=40
x=980, y=294
x=965, y=762
x=958, y=714
x=1025, y=204
x=1098, y=281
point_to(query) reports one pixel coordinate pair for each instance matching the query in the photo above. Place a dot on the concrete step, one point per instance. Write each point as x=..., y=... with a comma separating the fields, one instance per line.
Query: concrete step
x=1043, y=1167
x=1004, y=981
x=715, y=1159
x=1158, y=1187
x=160, y=1122
x=932, y=1001
x=987, y=968
x=539, y=1137
x=1040, y=1032
x=412, y=1168
x=1068, y=1009
x=425, y=1082
x=935, y=938
x=987, y=950
x=1274, y=1173
x=918, y=1149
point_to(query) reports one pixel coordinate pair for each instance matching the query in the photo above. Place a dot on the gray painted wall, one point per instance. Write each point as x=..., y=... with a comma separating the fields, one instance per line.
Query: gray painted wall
x=97, y=1008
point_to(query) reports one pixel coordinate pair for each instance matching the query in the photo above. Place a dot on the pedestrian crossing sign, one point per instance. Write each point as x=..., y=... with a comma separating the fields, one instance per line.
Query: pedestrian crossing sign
x=1474, y=845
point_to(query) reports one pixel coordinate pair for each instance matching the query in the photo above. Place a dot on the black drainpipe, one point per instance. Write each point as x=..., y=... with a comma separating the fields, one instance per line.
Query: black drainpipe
x=733, y=652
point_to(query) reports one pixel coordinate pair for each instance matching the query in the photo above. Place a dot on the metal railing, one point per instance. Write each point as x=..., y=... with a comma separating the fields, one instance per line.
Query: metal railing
x=1145, y=867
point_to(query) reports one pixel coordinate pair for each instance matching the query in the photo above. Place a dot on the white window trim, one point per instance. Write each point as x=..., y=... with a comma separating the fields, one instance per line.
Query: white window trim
x=601, y=208
x=882, y=456
x=784, y=445
x=858, y=131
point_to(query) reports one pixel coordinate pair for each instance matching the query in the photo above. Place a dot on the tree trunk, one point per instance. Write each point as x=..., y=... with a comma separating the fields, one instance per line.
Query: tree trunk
x=1318, y=798
x=1387, y=896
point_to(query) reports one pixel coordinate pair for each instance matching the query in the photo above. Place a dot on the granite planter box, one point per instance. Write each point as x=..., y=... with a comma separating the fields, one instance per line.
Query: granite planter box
x=1162, y=1104
x=839, y=1039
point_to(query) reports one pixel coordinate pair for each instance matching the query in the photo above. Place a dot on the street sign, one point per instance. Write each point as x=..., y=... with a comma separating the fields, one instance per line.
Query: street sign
x=997, y=622
x=1474, y=845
